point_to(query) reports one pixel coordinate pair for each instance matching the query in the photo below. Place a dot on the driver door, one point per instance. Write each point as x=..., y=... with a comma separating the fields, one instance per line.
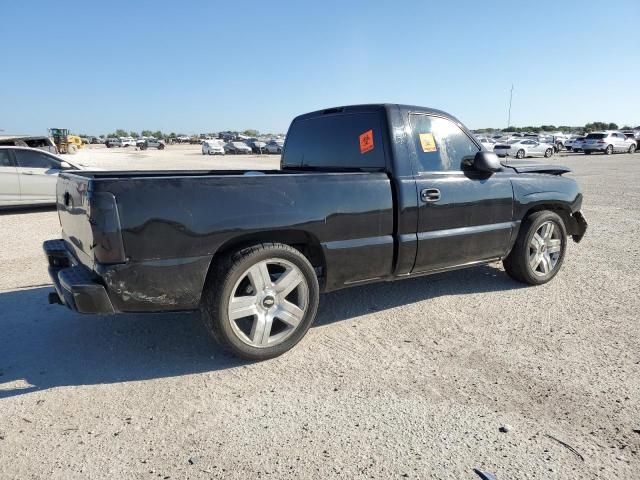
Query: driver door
x=464, y=216
x=38, y=175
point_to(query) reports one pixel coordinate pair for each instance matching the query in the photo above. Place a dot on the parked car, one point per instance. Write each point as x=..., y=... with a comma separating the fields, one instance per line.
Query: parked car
x=213, y=147
x=237, y=148
x=128, y=142
x=521, y=148
x=38, y=141
x=351, y=204
x=28, y=176
x=487, y=142
x=574, y=143
x=634, y=135
x=96, y=140
x=113, y=142
x=257, y=146
x=608, y=142
x=150, y=143
x=274, y=146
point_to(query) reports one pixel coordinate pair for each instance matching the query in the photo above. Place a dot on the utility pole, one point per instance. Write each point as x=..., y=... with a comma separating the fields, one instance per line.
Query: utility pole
x=510, y=99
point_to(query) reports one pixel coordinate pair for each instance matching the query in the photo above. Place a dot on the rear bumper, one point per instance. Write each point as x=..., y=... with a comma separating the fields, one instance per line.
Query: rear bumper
x=76, y=286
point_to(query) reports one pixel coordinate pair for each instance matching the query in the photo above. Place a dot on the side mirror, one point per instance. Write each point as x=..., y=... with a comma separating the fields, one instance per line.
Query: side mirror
x=487, y=162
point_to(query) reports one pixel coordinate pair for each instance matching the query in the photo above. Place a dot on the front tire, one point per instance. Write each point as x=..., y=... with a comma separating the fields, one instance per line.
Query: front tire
x=520, y=154
x=260, y=301
x=548, y=152
x=539, y=249
x=632, y=148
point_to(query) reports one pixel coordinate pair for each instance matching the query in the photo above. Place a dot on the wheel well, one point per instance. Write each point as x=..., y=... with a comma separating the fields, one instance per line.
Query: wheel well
x=563, y=211
x=304, y=242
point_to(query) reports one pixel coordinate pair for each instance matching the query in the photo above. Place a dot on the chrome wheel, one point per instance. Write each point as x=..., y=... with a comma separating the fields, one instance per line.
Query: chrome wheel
x=545, y=249
x=520, y=154
x=268, y=302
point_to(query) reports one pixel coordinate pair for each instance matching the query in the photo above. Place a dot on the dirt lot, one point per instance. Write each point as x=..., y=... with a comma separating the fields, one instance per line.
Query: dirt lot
x=410, y=379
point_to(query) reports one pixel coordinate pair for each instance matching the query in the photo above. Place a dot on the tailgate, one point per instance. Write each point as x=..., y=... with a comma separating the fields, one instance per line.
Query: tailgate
x=72, y=201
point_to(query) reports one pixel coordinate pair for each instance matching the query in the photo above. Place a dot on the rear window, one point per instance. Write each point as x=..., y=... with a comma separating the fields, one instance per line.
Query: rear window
x=346, y=140
x=596, y=136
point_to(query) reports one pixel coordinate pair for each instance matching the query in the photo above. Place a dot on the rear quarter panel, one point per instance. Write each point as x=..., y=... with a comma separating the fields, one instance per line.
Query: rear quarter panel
x=173, y=226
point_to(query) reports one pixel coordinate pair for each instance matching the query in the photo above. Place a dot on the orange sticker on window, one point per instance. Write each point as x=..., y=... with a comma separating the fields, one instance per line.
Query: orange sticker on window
x=366, y=141
x=427, y=142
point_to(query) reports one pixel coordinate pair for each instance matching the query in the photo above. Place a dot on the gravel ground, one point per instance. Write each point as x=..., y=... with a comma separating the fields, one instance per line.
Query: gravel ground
x=411, y=379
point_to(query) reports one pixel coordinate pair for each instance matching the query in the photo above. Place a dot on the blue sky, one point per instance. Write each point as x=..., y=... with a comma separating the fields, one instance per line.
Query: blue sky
x=206, y=66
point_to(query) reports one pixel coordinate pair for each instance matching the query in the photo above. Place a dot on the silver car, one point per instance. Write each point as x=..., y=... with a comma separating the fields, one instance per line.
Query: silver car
x=28, y=176
x=520, y=148
x=608, y=143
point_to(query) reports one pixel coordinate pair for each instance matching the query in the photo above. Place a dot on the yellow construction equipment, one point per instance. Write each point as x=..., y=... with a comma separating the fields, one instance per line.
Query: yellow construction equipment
x=64, y=142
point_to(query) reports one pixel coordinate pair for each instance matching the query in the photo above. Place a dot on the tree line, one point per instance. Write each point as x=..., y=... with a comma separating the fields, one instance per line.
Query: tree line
x=589, y=127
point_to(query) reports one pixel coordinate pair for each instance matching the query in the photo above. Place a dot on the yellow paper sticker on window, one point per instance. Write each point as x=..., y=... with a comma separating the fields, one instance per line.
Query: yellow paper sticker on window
x=427, y=142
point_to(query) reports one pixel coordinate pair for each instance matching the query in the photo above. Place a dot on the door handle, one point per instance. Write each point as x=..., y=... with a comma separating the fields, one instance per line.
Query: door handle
x=430, y=195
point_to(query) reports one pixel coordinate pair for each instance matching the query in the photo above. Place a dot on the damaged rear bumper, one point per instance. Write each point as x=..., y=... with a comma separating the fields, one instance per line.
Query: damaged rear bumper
x=131, y=287
x=76, y=286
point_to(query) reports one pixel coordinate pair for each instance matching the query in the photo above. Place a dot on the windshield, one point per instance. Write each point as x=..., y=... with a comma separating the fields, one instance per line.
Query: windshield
x=596, y=136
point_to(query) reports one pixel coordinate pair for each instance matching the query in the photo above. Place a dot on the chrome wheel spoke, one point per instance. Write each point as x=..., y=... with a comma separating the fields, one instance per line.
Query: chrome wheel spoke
x=554, y=246
x=289, y=280
x=241, y=307
x=261, y=329
x=537, y=241
x=289, y=313
x=545, y=263
x=259, y=276
x=547, y=231
x=534, y=261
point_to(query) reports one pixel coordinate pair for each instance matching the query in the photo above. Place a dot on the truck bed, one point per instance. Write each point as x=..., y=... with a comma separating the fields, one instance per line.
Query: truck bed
x=171, y=224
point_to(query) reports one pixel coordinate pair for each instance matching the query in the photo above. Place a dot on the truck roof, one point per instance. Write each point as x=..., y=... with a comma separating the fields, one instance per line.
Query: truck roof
x=369, y=107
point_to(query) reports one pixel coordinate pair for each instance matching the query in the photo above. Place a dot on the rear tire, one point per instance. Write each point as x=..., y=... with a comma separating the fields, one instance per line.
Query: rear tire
x=537, y=258
x=548, y=152
x=252, y=278
x=608, y=150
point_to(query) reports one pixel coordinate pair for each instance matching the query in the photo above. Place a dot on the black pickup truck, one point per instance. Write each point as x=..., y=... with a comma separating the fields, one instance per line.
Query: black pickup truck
x=364, y=193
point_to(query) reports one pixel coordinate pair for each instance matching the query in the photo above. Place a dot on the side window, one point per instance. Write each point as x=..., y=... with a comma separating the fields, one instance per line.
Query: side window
x=33, y=159
x=338, y=140
x=5, y=159
x=440, y=144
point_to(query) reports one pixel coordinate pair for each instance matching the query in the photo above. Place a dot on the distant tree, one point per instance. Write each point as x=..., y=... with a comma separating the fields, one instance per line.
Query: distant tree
x=134, y=134
x=120, y=133
x=158, y=134
x=172, y=135
x=147, y=133
x=251, y=133
x=626, y=127
x=613, y=126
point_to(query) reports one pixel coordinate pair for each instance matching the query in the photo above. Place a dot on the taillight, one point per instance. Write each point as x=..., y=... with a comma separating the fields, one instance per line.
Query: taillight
x=105, y=225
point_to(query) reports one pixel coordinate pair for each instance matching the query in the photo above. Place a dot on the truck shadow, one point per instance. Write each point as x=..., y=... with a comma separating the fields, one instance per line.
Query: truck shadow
x=45, y=346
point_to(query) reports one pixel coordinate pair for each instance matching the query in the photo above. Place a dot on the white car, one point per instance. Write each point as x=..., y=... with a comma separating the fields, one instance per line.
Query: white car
x=128, y=141
x=608, y=143
x=487, y=142
x=520, y=148
x=574, y=143
x=29, y=176
x=213, y=147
